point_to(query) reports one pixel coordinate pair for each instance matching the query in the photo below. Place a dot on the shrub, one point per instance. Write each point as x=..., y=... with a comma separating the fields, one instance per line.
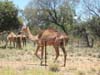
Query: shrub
x=54, y=67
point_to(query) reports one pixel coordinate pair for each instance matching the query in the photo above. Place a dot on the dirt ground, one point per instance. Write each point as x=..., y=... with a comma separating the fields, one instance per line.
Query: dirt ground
x=80, y=61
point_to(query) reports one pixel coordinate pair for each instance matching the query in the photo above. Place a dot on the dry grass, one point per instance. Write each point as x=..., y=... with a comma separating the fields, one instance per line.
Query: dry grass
x=80, y=61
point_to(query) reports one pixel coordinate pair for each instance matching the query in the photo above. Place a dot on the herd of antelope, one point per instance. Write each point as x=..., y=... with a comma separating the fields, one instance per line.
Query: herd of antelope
x=16, y=41
x=47, y=37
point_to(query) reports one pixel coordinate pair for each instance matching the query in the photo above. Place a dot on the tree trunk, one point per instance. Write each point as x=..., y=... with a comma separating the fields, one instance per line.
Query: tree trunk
x=87, y=40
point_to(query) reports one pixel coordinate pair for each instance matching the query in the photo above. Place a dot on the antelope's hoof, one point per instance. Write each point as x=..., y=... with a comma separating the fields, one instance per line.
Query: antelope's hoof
x=41, y=64
x=63, y=65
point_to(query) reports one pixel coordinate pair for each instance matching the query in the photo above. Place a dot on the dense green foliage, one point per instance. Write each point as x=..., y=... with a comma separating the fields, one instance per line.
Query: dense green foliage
x=8, y=16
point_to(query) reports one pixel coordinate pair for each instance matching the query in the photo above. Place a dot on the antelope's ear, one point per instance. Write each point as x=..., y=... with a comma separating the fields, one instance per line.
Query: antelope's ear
x=23, y=27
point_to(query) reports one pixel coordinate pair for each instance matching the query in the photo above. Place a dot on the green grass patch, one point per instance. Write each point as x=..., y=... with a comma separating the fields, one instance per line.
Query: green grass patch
x=36, y=71
x=7, y=71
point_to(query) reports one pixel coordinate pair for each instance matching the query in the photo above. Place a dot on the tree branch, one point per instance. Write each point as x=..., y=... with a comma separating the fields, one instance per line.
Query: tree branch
x=90, y=9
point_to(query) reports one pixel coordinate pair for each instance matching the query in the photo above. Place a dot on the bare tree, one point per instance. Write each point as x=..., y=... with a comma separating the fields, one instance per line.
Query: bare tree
x=93, y=6
x=59, y=12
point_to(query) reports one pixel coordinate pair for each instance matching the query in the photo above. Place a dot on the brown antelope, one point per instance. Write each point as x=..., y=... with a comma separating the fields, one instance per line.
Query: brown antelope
x=48, y=37
x=24, y=39
x=11, y=38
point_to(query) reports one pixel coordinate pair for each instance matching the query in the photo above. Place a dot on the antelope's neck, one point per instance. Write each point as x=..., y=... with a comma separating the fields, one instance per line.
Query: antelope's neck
x=31, y=36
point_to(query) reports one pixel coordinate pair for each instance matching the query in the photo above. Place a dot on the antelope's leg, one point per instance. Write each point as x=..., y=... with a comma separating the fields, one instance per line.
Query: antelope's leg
x=57, y=52
x=65, y=54
x=45, y=53
x=36, y=52
x=42, y=53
